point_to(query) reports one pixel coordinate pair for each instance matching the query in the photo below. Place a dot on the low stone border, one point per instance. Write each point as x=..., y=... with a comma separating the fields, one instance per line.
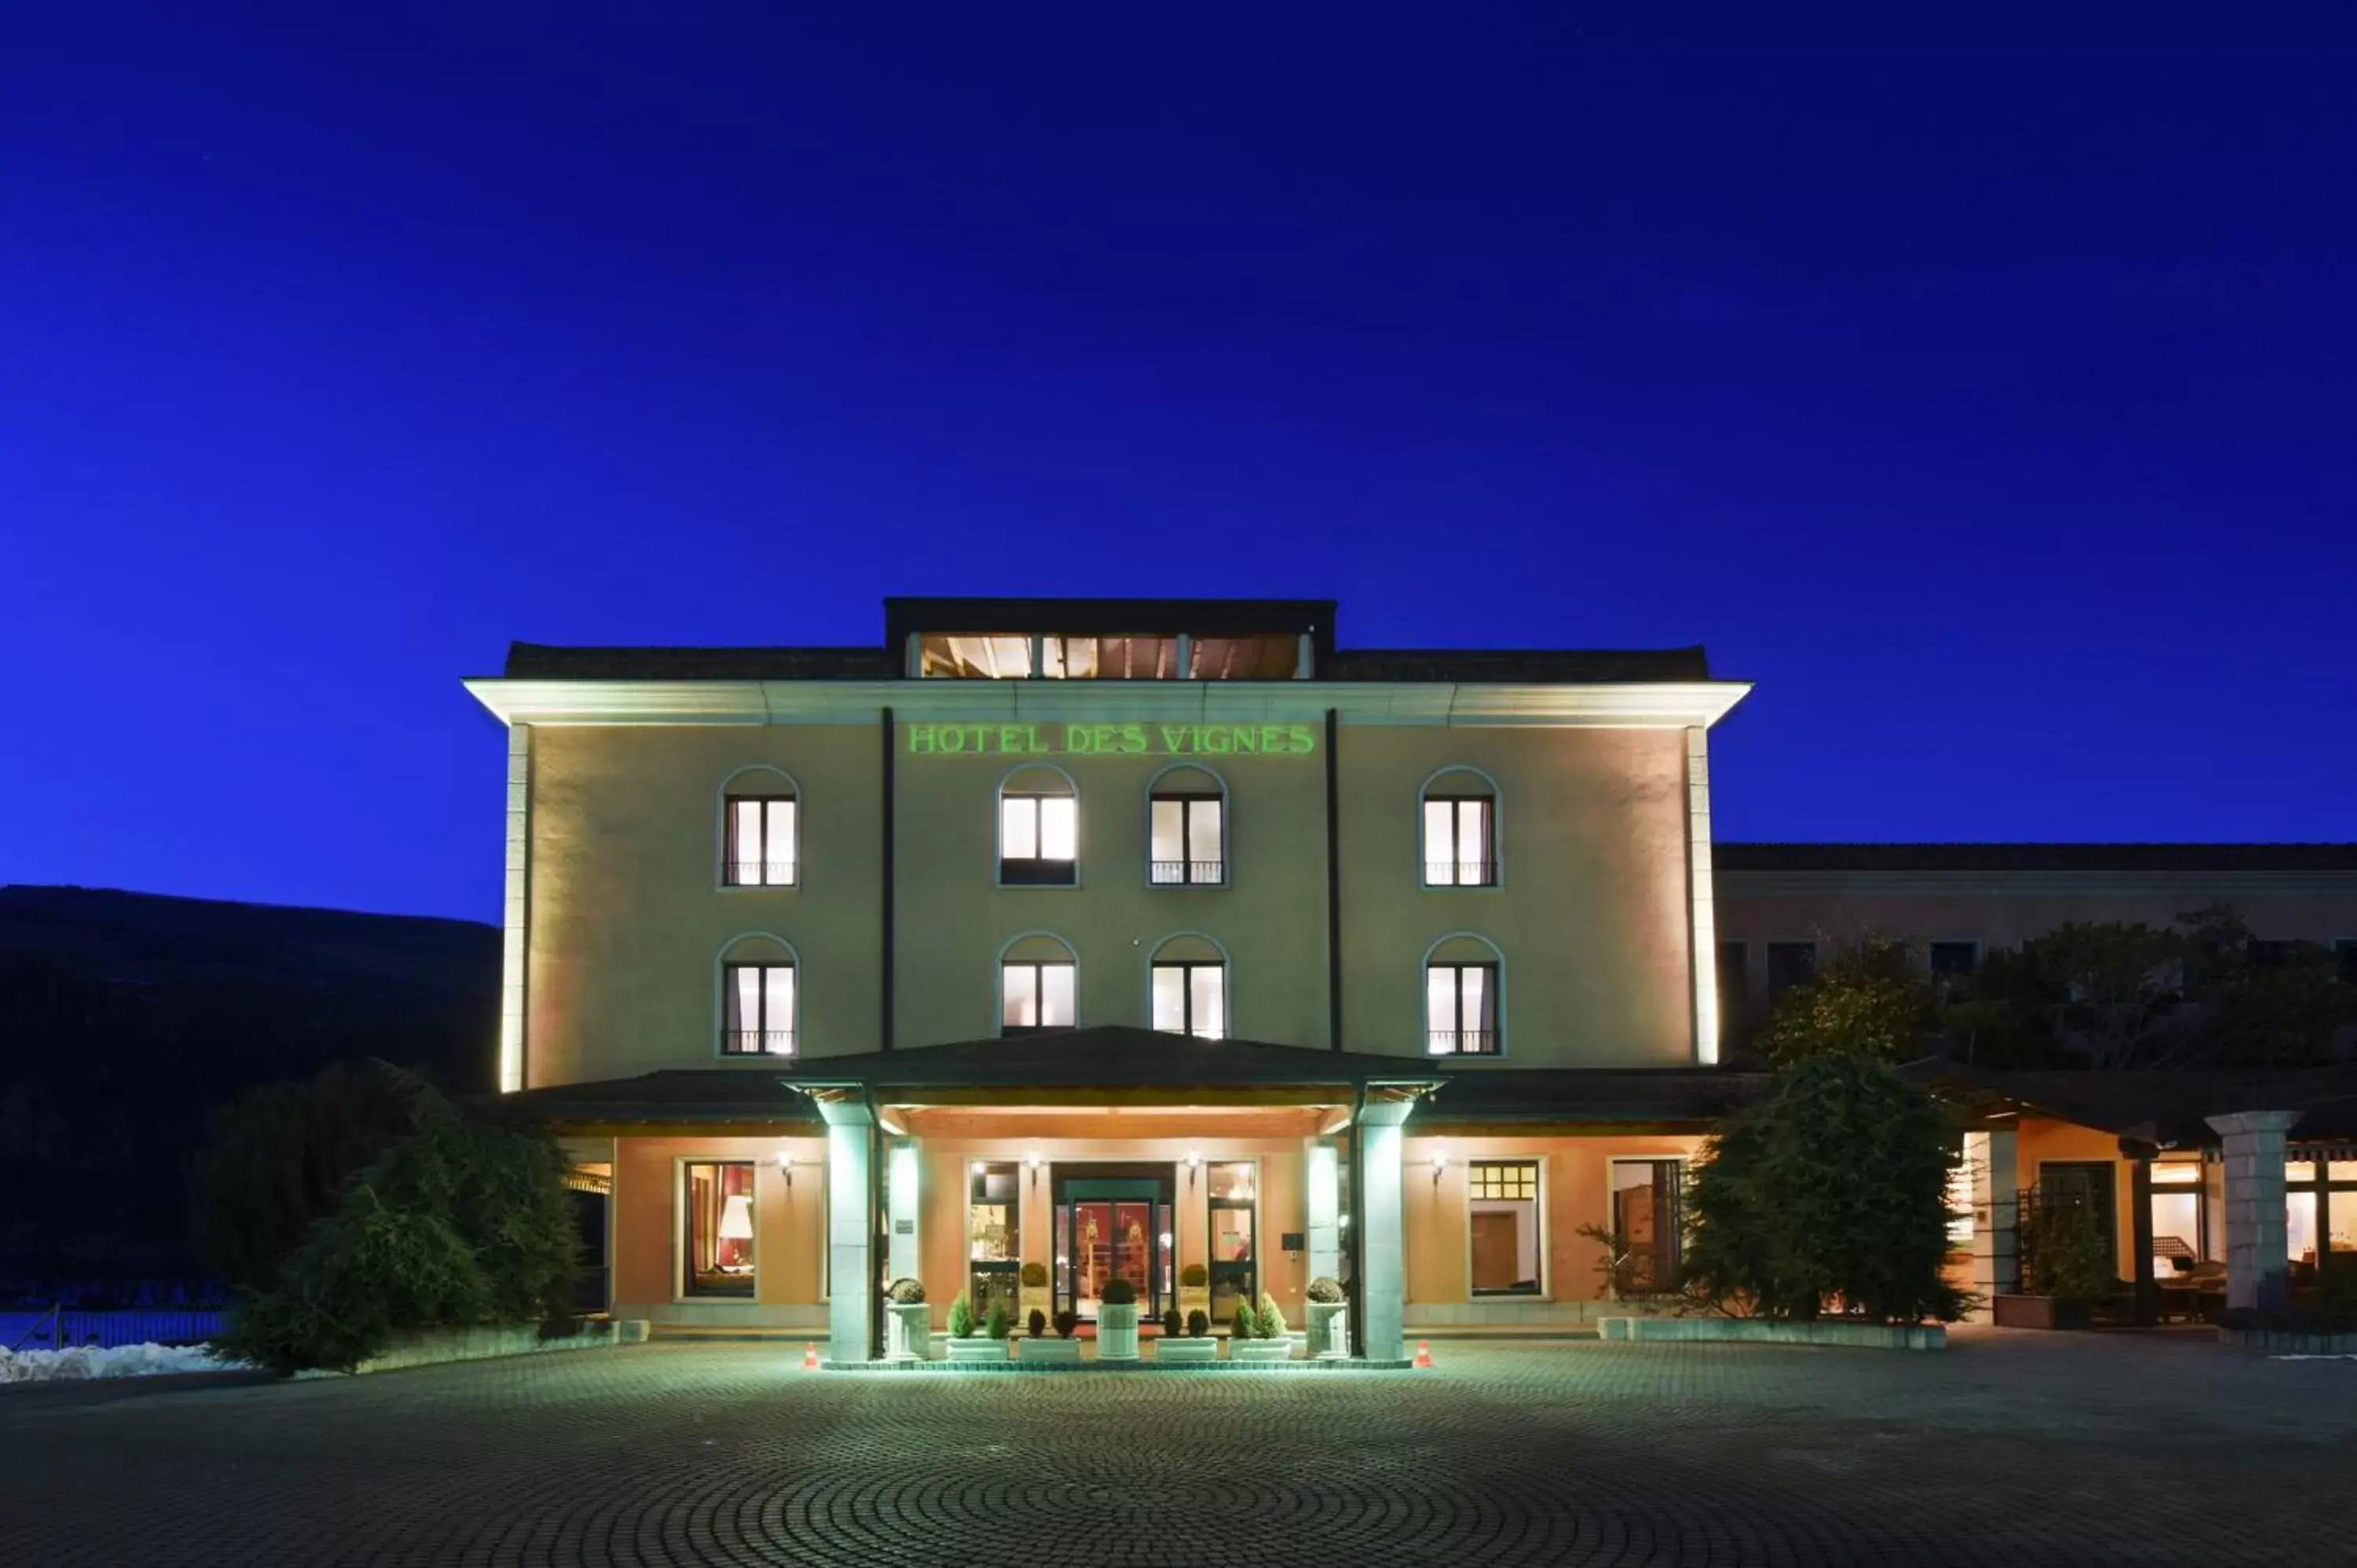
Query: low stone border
x=486, y=1344
x=1126, y=1369
x=1754, y=1331
x=2284, y=1341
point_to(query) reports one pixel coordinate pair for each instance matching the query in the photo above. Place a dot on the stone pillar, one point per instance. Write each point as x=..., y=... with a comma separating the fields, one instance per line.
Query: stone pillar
x=1382, y=1252
x=1996, y=1169
x=850, y=1233
x=1322, y=1190
x=2257, y=1273
x=2139, y=1155
x=901, y=1166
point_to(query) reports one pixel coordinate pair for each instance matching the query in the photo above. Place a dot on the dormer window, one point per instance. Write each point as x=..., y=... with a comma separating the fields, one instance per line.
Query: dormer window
x=1112, y=656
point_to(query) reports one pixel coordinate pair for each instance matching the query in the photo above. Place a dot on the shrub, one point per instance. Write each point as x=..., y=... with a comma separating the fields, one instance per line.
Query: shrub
x=1325, y=1288
x=1247, y=1325
x=1066, y=1321
x=904, y=1293
x=1271, y=1323
x=961, y=1317
x=1199, y=1323
x=1001, y=1322
x=1194, y=1276
x=1170, y=1322
x=1035, y=1275
x=1038, y=1324
x=1119, y=1292
x=1833, y=1187
x=2063, y=1252
x=461, y=1222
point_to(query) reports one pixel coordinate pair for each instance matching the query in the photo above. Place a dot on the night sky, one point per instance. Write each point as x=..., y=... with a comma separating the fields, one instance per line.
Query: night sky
x=1984, y=391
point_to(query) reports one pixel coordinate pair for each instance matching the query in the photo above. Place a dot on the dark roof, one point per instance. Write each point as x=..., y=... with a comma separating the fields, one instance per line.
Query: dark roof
x=1567, y=667
x=1111, y=617
x=540, y=662
x=1690, y=1096
x=2163, y=1105
x=2003, y=857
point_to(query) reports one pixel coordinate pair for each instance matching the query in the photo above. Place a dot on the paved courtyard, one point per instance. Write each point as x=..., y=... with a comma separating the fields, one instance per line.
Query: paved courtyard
x=2015, y=1449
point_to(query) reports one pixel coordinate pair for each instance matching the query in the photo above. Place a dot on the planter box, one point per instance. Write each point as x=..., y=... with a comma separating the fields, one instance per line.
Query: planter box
x=1263, y=1352
x=908, y=1330
x=1052, y=1349
x=1187, y=1350
x=1329, y=1330
x=483, y=1344
x=2290, y=1342
x=979, y=1347
x=2040, y=1312
x=1757, y=1331
x=1117, y=1332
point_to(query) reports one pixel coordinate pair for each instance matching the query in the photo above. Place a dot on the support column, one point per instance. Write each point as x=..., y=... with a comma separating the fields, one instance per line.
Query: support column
x=1994, y=1161
x=850, y=1234
x=1322, y=1191
x=901, y=1167
x=2139, y=1154
x=2258, y=1270
x=1382, y=1252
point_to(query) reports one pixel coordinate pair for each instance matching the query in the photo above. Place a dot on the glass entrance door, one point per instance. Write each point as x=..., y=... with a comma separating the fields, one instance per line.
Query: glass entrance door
x=1112, y=1226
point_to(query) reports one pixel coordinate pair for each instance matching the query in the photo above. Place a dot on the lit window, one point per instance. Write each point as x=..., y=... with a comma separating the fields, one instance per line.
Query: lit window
x=1189, y=840
x=959, y=658
x=1191, y=999
x=1039, y=840
x=1257, y=657
x=1461, y=841
x=1502, y=1197
x=761, y=848
x=717, y=1228
x=1035, y=995
x=1460, y=1009
x=1647, y=1232
x=1109, y=658
x=760, y=1005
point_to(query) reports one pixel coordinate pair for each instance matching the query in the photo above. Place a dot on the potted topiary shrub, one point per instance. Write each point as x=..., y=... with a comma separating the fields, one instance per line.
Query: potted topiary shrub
x=907, y=1322
x=1037, y=1298
x=1199, y=1323
x=968, y=1347
x=1117, y=1322
x=1330, y=1322
x=1195, y=1290
x=1197, y=1344
x=1062, y=1348
x=1170, y=1322
x=1038, y=1324
x=2064, y=1266
x=1270, y=1341
x=1065, y=1322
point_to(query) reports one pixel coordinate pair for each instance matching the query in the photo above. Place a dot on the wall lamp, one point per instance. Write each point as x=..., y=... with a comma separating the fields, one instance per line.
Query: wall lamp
x=786, y=1168
x=1194, y=1163
x=1439, y=1166
x=1031, y=1161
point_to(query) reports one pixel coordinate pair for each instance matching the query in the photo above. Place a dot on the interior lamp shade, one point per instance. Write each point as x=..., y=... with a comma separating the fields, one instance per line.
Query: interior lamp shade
x=737, y=1217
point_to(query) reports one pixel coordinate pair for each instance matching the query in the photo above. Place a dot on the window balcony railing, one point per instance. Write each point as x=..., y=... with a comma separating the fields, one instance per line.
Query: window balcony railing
x=1181, y=872
x=1460, y=873
x=1031, y=873
x=1462, y=1042
x=761, y=873
x=758, y=1042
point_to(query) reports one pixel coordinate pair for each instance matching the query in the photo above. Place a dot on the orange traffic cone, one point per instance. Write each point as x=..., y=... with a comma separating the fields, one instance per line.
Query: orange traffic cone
x=809, y=1356
x=1424, y=1352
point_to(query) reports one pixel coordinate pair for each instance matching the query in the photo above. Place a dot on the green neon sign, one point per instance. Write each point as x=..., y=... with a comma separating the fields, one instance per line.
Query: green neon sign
x=1112, y=740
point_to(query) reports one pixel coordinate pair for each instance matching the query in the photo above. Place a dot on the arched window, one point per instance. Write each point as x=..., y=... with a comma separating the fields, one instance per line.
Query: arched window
x=1187, y=828
x=1459, y=828
x=1038, y=985
x=1038, y=829
x=1463, y=997
x=760, y=828
x=760, y=999
x=1187, y=987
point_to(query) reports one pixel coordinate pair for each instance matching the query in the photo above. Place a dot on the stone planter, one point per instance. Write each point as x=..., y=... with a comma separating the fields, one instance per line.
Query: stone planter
x=908, y=1331
x=1261, y=1352
x=977, y=1349
x=1052, y=1349
x=2288, y=1341
x=1757, y=1331
x=1117, y=1332
x=2040, y=1312
x=1187, y=1351
x=1329, y=1330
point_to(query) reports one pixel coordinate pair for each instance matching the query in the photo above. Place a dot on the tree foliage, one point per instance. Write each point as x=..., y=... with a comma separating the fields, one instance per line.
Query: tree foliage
x=1830, y=1195
x=1870, y=999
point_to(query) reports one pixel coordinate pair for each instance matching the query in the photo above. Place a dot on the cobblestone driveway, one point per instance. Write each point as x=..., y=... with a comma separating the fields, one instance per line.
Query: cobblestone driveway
x=2007, y=1449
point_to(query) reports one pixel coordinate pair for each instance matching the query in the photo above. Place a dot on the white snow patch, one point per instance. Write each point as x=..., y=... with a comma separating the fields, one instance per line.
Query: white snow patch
x=120, y=1361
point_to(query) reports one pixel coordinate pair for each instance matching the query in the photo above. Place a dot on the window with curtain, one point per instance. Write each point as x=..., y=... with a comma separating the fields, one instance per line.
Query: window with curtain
x=1189, y=839
x=1191, y=999
x=716, y=1225
x=1035, y=995
x=1460, y=1009
x=761, y=1010
x=1039, y=840
x=1461, y=841
x=761, y=848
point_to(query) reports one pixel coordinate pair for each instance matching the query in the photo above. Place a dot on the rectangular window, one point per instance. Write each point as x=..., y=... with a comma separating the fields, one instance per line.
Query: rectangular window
x=1109, y=658
x=1191, y=999
x=1460, y=1009
x=1953, y=961
x=1503, y=1223
x=761, y=1010
x=717, y=1228
x=949, y=656
x=1036, y=997
x=1648, y=1227
x=2348, y=952
x=760, y=851
x=1235, y=1210
x=1734, y=981
x=994, y=1231
x=1789, y=965
x=1459, y=849
x=1188, y=840
x=1039, y=841
x=1259, y=657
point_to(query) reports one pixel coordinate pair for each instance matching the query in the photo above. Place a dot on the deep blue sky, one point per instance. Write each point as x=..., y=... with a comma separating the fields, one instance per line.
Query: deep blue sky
x=1982, y=389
